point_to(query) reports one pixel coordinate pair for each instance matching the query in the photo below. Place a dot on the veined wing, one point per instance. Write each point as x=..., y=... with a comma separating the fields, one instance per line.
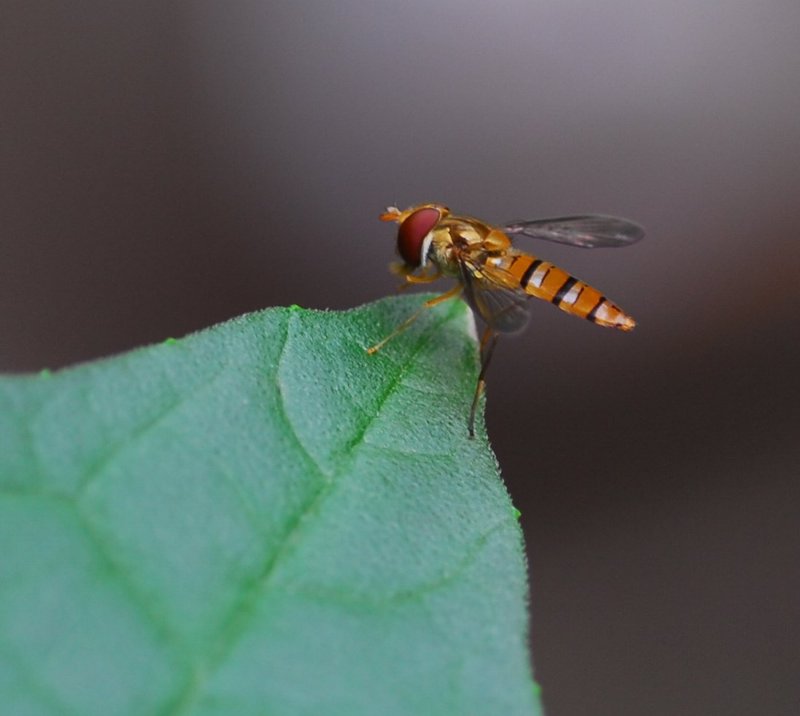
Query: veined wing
x=495, y=295
x=588, y=231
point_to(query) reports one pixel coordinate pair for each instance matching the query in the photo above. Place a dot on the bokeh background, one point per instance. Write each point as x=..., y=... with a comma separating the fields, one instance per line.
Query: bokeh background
x=169, y=165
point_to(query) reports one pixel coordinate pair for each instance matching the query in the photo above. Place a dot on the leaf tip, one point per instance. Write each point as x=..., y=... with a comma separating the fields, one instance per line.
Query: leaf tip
x=472, y=327
x=517, y=514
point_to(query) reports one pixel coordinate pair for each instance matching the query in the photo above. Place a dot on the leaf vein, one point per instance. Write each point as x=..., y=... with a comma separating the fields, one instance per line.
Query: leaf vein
x=242, y=611
x=408, y=595
x=96, y=469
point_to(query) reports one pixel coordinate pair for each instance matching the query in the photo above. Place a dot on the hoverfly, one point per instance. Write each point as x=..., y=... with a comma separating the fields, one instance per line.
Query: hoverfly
x=497, y=279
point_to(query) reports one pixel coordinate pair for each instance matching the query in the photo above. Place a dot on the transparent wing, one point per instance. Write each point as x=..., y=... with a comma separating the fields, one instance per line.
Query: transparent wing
x=495, y=295
x=590, y=231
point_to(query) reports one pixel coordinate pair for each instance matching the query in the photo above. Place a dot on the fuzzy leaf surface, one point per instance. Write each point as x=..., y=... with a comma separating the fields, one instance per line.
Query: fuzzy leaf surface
x=260, y=519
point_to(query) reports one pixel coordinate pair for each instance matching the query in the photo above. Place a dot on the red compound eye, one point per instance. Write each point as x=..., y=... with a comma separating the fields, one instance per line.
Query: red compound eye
x=412, y=233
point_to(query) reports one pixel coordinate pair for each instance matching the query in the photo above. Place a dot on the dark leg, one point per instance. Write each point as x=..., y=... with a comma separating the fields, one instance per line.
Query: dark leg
x=488, y=342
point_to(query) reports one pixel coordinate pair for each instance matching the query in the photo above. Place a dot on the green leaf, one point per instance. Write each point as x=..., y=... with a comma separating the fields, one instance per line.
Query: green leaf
x=261, y=519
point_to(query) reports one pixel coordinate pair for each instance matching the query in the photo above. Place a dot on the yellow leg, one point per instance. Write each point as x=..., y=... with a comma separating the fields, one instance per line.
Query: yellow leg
x=412, y=280
x=424, y=278
x=452, y=293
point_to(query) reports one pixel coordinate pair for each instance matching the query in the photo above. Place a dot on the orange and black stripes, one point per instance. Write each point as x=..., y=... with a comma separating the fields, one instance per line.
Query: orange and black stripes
x=558, y=299
x=593, y=313
x=550, y=283
x=526, y=277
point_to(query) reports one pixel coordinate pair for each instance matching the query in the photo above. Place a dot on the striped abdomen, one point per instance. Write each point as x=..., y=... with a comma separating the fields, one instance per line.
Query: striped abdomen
x=548, y=282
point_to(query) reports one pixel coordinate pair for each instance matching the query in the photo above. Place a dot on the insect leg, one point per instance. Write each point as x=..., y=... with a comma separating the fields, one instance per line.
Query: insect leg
x=490, y=338
x=424, y=278
x=412, y=280
x=452, y=293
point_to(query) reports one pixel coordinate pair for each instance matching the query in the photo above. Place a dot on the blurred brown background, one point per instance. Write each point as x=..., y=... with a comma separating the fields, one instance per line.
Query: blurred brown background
x=166, y=166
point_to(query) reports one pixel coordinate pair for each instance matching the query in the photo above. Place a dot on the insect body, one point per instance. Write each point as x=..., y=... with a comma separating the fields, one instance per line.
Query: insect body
x=497, y=279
